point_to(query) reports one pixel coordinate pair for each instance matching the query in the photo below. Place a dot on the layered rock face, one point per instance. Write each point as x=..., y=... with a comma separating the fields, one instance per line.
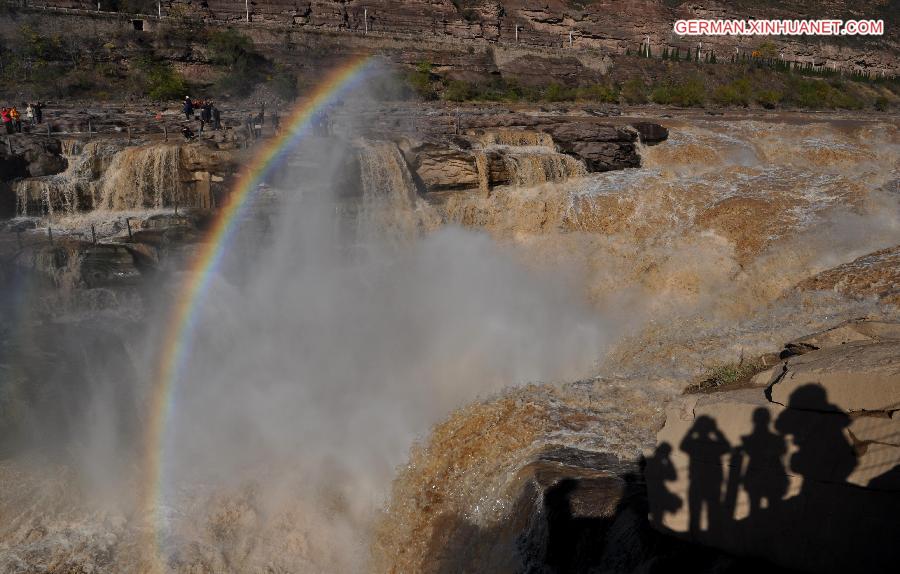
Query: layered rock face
x=598, y=27
x=801, y=468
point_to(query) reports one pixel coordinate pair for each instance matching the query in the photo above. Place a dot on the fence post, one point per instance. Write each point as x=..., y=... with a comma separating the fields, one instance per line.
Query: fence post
x=165, y=133
x=128, y=224
x=93, y=235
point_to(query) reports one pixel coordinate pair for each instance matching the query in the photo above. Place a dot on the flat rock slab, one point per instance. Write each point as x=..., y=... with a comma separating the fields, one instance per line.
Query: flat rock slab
x=857, y=376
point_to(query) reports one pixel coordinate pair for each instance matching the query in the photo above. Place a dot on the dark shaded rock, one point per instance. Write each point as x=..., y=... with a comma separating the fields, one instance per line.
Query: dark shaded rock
x=108, y=265
x=579, y=512
x=7, y=200
x=602, y=147
x=651, y=133
x=30, y=158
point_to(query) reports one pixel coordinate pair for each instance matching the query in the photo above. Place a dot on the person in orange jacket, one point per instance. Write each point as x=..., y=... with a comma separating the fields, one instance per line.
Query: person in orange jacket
x=16, y=120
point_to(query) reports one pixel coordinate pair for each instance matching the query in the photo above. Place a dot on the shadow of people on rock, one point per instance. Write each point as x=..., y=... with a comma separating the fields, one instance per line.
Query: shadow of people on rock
x=660, y=467
x=705, y=445
x=816, y=428
x=791, y=490
x=764, y=479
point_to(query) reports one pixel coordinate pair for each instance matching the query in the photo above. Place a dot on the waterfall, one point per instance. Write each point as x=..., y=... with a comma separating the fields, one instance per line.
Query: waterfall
x=517, y=138
x=391, y=202
x=530, y=166
x=67, y=192
x=530, y=157
x=484, y=175
x=141, y=177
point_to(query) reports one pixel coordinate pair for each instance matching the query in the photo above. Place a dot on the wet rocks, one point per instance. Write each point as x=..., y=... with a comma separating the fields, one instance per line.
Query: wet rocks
x=30, y=157
x=650, y=133
x=601, y=147
x=874, y=275
x=81, y=264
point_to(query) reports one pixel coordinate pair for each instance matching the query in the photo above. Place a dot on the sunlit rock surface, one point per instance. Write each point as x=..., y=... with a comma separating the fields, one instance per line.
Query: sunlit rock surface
x=802, y=471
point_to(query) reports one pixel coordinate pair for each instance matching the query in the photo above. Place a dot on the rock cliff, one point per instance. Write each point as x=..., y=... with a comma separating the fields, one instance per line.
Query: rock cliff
x=582, y=30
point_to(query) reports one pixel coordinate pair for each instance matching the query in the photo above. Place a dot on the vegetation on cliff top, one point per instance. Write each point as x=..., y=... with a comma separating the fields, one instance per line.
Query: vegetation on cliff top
x=682, y=83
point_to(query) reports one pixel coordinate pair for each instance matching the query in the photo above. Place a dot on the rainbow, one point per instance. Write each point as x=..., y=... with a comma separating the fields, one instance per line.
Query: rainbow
x=184, y=315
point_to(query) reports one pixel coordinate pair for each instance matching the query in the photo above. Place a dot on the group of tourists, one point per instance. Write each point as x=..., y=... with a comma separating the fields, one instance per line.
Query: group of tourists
x=13, y=119
x=209, y=114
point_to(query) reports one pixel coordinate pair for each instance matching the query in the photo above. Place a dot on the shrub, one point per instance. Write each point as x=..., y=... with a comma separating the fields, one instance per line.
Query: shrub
x=243, y=67
x=160, y=81
x=598, y=93
x=459, y=91
x=736, y=93
x=768, y=99
x=728, y=375
x=558, y=93
x=819, y=94
x=634, y=92
x=421, y=81
x=688, y=93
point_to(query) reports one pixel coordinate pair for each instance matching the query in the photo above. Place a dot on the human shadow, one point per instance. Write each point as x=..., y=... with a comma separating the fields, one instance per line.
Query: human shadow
x=765, y=491
x=705, y=445
x=659, y=465
x=784, y=491
x=764, y=478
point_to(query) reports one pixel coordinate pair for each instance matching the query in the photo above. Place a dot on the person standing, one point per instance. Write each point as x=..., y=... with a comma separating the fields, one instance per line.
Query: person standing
x=29, y=115
x=7, y=120
x=216, y=118
x=188, y=108
x=16, y=120
x=39, y=112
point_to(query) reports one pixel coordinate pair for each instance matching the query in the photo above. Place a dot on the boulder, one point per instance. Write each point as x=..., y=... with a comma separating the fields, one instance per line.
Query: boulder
x=601, y=147
x=650, y=133
x=442, y=169
x=31, y=157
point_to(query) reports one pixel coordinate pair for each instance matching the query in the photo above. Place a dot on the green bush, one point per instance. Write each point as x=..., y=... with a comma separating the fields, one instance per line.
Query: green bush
x=421, y=82
x=243, y=67
x=819, y=94
x=736, y=93
x=459, y=91
x=688, y=93
x=558, y=93
x=769, y=99
x=598, y=93
x=634, y=92
x=160, y=81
